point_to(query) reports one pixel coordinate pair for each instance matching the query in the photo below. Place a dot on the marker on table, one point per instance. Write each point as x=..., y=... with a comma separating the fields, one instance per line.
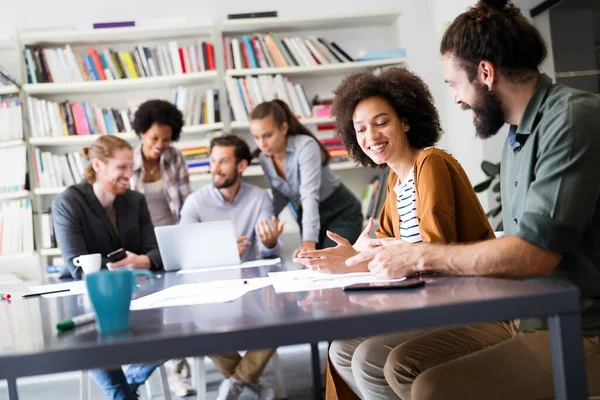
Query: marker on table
x=75, y=321
x=4, y=296
x=43, y=293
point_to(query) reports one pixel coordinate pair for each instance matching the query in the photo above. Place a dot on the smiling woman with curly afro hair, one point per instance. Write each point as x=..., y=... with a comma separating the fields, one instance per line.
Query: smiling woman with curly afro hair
x=407, y=95
x=390, y=120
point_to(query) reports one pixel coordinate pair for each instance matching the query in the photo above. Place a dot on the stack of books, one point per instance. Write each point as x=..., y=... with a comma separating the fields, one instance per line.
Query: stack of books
x=374, y=196
x=16, y=227
x=50, y=119
x=197, y=107
x=269, y=50
x=6, y=79
x=11, y=121
x=246, y=93
x=62, y=65
x=196, y=159
x=53, y=170
x=13, y=164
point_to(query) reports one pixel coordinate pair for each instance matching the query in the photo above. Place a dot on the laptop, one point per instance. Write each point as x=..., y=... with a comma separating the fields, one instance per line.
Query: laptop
x=199, y=245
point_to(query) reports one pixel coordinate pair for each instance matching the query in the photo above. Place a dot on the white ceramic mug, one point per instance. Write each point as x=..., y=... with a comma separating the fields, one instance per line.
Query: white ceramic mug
x=90, y=263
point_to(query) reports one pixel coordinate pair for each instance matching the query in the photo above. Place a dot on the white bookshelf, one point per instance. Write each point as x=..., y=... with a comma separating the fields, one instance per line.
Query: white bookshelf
x=85, y=140
x=21, y=194
x=341, y=68
x=17, y=256
x=239, y=125
x=11, y=143
x=48, y=191
x=124, y=34
x=153, y=82
x=9, y=89
x=310, y=23
x=50, y=252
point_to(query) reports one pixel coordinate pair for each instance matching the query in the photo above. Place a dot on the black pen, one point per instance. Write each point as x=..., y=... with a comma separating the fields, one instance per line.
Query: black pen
x=43, y=293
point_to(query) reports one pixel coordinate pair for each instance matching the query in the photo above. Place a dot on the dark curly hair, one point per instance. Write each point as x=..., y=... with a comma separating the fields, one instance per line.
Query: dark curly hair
x=496, y=31
x=406, y=93
x=161, y=112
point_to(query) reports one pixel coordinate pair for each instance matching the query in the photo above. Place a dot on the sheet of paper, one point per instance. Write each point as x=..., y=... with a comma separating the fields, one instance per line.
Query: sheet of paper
x=307, y=279
x=75, y=288
x=199, y=293
x=247, y=264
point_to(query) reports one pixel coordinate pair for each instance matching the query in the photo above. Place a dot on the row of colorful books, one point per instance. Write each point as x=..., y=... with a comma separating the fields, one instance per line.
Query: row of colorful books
x=246, y=93
x=57, y=170
x=11, y=121
x=60, y=65
x=50, y=119
x=16, y=227
x=269, y=50
x=13, y=167
x=6, y=79
x=196, y=107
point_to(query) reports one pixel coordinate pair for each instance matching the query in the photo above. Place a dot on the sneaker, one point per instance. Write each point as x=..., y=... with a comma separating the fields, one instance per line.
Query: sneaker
x=179, y=385
x=263, y=390
x=230, y=389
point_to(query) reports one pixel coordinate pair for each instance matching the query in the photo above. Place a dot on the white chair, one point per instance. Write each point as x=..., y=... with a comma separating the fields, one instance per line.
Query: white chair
x=199, y=377
x=84, y=388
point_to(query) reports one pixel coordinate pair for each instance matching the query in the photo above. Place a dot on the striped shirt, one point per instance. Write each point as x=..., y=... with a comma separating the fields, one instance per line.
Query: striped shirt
x=407, y=209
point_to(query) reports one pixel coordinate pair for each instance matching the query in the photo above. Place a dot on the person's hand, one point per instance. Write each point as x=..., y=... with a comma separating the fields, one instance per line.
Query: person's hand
x=305, y=247
x=362, y=243
x=331, y=260
x=243, y=244
x=392, y=259
x=268, y=233
x=131, y=260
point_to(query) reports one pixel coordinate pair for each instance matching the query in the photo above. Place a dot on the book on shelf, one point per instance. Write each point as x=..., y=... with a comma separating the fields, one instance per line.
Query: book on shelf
x=63, y=65
x=47, y=230
x=16, y=227
x=11, y=120
x=247, y=92
x=13, y=164
x=58, y=170
x=50, y=119
x=197, y=106
x=55, y=267
x=374, y=196
x=196, y=159
x=6, y=79
x=268, y=50
x=257, y=14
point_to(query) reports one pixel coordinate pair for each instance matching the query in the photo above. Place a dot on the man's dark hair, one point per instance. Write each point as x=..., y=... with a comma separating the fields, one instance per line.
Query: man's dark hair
x=495, y=31
x=161, y=112
x=406, y=93
x=242, y=151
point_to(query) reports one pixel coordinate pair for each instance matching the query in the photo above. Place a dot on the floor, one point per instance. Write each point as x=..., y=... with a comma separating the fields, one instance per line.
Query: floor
x=295, y=361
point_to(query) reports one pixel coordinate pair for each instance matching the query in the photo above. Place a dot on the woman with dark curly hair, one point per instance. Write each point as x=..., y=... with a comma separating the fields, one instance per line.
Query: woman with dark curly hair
x=296, y=166
x=391, y=120
x=159, y=170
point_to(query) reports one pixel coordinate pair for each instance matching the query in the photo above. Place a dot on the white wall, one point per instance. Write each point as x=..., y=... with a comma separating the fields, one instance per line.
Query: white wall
x=421, y=28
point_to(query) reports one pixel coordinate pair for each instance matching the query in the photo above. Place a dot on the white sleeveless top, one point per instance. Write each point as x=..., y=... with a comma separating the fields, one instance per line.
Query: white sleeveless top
x=160, y=213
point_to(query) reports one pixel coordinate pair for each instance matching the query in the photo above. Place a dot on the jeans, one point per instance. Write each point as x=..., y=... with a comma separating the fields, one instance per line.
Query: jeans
x=122, y=385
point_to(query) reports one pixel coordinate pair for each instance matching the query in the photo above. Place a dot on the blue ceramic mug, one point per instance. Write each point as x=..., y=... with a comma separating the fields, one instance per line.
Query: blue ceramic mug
x=110, y=294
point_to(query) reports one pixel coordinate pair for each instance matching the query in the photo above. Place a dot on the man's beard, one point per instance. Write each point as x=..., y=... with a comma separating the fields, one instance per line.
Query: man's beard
x=229, y=181
x=488, y=115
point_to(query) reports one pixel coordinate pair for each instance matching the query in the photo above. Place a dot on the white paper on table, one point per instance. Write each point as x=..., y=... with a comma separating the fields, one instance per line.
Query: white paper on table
x=75, y=288
x=9, y=279
x=307, y=279
x=199, y=293
x=247, y=264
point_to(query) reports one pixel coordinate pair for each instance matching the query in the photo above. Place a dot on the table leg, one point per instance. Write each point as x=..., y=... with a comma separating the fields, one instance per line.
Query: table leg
x=316, y=370
x=568, y=361
x=12, y=389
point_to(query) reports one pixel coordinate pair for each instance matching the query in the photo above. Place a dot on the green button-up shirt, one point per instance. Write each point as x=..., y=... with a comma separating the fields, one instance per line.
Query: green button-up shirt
x=550, y=184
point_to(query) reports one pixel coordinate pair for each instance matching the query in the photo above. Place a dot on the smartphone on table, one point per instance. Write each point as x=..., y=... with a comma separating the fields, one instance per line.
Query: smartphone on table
x=386, y=285
x=116, y=255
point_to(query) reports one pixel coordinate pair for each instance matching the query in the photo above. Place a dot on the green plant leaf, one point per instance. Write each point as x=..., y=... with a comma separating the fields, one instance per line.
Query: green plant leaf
x=490, y=169
x=500, y=226
x=496, y=188
x=480, y=187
